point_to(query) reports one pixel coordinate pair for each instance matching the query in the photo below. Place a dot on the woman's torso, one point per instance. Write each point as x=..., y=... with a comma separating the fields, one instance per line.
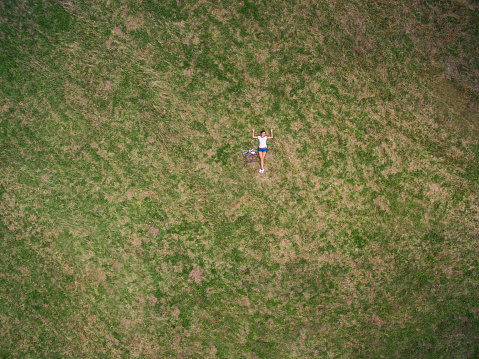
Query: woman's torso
x=262, y=141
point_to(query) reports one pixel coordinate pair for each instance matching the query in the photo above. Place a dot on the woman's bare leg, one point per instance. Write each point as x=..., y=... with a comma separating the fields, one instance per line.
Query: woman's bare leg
x=261, y=159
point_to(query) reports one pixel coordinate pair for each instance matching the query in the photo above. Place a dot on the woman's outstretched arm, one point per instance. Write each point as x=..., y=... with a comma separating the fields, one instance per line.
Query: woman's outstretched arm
x=271, y=134
x=253, y=134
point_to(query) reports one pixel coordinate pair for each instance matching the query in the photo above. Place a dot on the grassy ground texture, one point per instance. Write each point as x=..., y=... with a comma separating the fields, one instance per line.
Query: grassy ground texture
x=130, y=226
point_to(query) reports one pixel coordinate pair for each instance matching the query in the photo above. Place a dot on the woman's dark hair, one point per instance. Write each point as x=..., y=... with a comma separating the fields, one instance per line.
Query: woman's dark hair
x=262, y=132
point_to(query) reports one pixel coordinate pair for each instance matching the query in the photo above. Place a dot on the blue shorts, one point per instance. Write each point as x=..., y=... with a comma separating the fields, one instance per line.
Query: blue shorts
x=262, y=150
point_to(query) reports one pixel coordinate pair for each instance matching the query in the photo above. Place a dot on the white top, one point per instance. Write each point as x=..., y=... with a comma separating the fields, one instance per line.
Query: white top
x=262, y=141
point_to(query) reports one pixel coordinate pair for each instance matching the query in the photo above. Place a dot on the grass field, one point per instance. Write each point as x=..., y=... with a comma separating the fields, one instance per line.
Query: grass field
x=132, y=228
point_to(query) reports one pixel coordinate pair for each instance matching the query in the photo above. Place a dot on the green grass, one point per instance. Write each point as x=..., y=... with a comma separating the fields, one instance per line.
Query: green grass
x=131, y=227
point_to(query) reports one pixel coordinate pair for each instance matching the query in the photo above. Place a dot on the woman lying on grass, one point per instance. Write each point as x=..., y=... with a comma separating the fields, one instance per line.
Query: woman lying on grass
x=262, y=147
